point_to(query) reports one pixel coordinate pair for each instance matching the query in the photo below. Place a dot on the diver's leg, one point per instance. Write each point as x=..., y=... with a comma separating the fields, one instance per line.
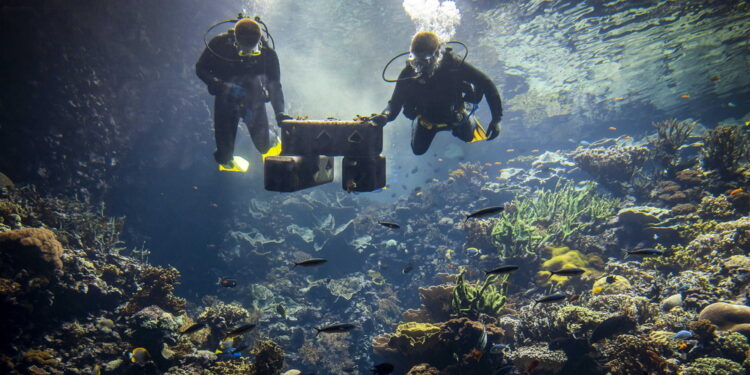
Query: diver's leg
x=421, y=138
x=465, y=129
x=258, y=128
x=226, y=119
x=256, y=118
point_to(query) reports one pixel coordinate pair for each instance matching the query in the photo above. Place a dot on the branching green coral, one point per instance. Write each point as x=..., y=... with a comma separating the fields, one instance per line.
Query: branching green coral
x=471, y=300
x=552, y=216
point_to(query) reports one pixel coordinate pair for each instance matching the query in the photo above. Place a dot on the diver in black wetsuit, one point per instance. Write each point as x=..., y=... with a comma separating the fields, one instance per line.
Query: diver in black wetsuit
x=433, y=90
x=243, y=73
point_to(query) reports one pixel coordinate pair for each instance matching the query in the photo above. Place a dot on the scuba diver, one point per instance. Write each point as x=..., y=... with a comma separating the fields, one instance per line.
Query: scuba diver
x=242, y=71
x=435, y=89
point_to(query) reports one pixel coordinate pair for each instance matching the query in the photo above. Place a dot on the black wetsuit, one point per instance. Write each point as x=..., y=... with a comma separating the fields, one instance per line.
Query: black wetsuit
x=257, y=79
x=440, y=100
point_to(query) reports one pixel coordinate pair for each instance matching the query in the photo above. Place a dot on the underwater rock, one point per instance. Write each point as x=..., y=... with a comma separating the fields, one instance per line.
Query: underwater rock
x=269, y=358
x=671, y=302
x=157, y=288
x=641, y=216
x=35, y=249
x=728, y=317
x=423, y=369
x=549, y=360
x=5, y=181
x=345, y=288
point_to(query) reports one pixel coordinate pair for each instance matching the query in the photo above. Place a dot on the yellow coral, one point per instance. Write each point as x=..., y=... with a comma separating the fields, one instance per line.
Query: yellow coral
x=610, y=285
x=417, y=333
x=564, y=257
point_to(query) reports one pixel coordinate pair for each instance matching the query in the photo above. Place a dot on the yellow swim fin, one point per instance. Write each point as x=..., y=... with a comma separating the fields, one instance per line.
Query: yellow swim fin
x=274, y=150
x=479, y=133
x=238, y=164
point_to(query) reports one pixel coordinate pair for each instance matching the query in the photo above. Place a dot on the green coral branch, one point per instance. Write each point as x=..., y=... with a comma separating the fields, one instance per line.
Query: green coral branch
x=551, y=216
x=471, y=300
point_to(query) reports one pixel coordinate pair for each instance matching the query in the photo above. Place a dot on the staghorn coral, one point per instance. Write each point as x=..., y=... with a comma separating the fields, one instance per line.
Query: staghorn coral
x=563, y=257
x=551, y=216
x=156, y=288
x=471, y=300
x=726, y=149
x=35, y=249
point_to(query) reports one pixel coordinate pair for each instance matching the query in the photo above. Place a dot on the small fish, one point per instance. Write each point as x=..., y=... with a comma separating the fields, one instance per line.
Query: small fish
x=419, y=194
x=407, y=268
x=612, y=326
x=336, y=328
x=440, y=160
x=138, y=356
x=435, y=180
x=497, y=163
x=732, y=105
x=715, y=78
x=482, y=343
x=487, y=164
x=551, y=299
x=281, y=310
x=619, y=98
x=612, y=128
x=414, y=170
x=646, y=252
x=685, y=96
x=567, y=272
x=382, y=369
x=228, y=356
x=227, y=283
x=226, y=344
x=473, y=251
x=506, y=268
x=683, y=335
x=747, y=123
x=574, y=297
x=628, y=137
x=389, y=225
x=534, y=150
x=682, y=346
x=193, y=328
x=498, y=348
x=312, y=262
x=245, y=328
x=489, y=211
x=510, y=150
x=735, y=192
x=532, y=366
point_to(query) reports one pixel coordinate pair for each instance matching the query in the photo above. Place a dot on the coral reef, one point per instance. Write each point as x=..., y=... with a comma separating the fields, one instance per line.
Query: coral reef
x=612, y=166
x=728, y=317
x=726, y=150
x=671, y=134
x=436, y=305
x=34, y=249
x=156, y=288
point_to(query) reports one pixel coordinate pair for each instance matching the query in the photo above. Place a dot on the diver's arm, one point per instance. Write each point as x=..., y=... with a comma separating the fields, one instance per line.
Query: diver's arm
x=203, y=68
x=486, y=87
x=398, y=98
x=273, y=73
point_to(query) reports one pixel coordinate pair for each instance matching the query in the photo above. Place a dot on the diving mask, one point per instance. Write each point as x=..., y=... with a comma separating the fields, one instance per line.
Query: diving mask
x=424, y=64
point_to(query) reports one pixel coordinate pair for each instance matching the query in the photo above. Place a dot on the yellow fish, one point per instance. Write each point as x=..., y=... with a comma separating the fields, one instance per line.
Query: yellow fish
x=617, y=99
x=685, y=96
x=628, y=137
x=435, y=180
x=499, y=162
x=139, y=356
x=612, y=128
x=747, y=123
x=535, y=150
x=510, y=150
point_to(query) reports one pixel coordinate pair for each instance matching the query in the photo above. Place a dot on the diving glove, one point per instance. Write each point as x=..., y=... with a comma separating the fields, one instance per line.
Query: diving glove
x=379, y=120
x=281, y=117
x=493, y=129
